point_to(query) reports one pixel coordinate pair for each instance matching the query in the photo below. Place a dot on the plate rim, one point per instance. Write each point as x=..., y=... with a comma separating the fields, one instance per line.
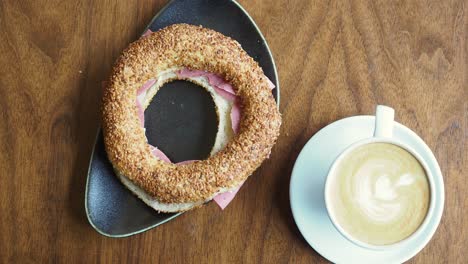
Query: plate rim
x=88, y=216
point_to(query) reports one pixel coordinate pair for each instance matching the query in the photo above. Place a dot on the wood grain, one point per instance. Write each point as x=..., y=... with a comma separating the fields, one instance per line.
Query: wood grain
x=335, y=59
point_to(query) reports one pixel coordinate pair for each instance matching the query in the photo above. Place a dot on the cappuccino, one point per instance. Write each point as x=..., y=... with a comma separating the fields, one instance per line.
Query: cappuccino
x=379, y=193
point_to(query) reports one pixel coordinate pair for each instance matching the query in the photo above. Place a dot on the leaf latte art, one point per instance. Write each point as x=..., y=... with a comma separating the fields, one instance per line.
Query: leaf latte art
x=380, y=193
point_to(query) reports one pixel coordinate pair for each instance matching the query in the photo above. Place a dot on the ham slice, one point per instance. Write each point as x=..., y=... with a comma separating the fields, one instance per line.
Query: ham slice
x=158, y=153
x=223, y=199
x=271, y=85
x=141, y=93
x=145, y=87
x=226, y=95
x=214, y=79
x=147, y=32
x=235, y=116
x=141, y=113
x=185, y=162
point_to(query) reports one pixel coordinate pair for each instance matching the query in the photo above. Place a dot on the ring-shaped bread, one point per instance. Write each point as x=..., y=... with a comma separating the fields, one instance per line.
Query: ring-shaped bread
x=198, y=48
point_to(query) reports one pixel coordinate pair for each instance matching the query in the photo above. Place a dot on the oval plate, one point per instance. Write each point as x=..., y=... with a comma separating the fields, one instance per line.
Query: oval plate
x=110, y=207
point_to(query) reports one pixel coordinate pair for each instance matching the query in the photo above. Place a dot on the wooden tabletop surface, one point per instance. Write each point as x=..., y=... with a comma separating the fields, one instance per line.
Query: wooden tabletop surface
x=335, y=59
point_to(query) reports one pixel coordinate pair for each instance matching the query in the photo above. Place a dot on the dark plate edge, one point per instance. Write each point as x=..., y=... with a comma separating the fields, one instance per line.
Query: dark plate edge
x=99, y=128
x=268, y=49
x=87, y=210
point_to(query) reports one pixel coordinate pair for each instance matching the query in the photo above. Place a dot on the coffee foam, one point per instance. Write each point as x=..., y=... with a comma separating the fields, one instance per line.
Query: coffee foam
x=380, y=193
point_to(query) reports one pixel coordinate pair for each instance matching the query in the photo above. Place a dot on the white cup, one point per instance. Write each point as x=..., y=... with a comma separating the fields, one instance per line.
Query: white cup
x=383, y=133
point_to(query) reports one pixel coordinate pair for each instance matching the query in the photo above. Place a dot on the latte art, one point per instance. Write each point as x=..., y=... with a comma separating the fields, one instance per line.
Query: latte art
x=380, y=193
x=378, y=197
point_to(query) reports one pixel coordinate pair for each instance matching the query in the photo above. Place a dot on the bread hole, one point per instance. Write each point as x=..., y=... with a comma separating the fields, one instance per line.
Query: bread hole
x=182, y=121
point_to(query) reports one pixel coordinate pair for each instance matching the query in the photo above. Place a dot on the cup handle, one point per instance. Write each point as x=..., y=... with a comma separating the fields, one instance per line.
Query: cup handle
x=384, y=116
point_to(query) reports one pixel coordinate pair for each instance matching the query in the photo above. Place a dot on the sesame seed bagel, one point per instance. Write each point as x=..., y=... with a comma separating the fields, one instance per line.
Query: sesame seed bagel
x=198, y=48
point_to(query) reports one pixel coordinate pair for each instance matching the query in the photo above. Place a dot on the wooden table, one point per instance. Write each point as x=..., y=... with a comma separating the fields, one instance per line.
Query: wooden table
x=335, y=59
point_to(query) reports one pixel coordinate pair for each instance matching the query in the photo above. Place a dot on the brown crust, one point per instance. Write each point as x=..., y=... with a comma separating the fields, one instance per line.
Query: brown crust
x=183, y=45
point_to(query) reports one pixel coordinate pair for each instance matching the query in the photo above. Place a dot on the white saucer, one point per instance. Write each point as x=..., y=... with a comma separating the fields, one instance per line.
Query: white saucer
x=307, y=187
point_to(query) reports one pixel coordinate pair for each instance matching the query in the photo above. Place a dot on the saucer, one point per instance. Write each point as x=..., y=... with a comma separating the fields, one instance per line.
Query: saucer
x=307, y=192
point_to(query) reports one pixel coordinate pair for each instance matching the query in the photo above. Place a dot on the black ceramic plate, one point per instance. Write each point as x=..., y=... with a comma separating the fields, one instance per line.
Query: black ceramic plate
x=181, y=120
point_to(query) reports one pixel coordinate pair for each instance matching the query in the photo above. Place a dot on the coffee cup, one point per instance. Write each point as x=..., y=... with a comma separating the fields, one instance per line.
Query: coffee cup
x=379, y=192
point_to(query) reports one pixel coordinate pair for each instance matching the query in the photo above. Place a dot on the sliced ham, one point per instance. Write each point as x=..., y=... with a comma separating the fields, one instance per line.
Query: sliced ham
x=141, y=113
x=235, y=116
x=223, y=199
x=226, y=95
x=146, y=86
x=147, y=32
x=271, y=85
x=158, y=153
